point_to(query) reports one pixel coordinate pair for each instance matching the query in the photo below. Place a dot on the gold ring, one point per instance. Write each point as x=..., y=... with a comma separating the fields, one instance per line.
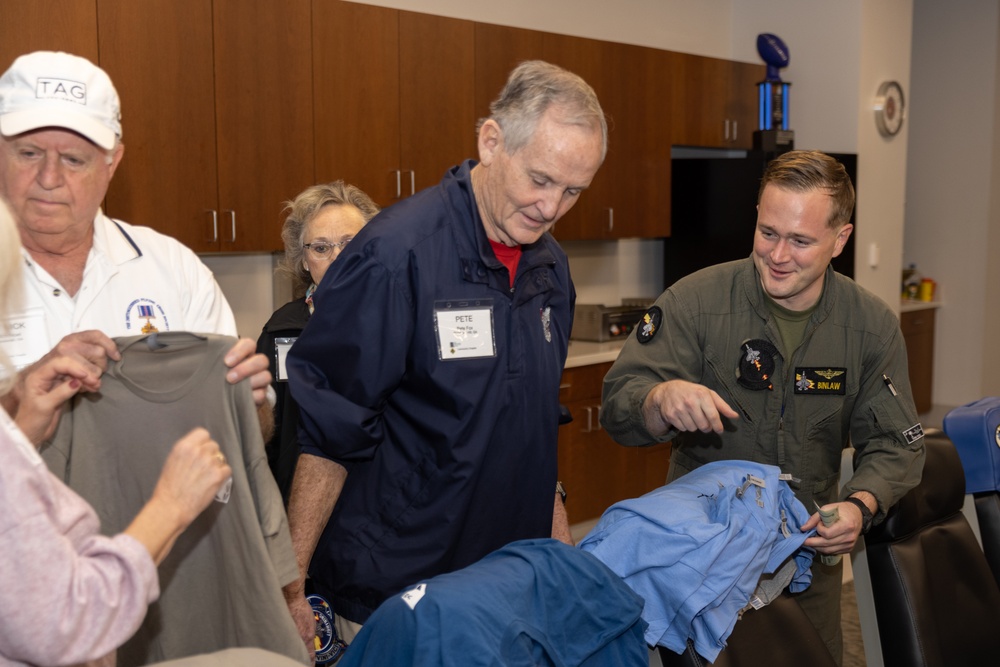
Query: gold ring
x=221, y=457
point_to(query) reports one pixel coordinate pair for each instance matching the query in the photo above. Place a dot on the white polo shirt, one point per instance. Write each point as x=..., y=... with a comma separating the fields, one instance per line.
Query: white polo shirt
x=135, y=280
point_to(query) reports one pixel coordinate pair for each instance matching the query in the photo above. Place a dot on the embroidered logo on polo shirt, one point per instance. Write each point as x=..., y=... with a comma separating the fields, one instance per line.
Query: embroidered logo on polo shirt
x=831, y=381
x=148, y=310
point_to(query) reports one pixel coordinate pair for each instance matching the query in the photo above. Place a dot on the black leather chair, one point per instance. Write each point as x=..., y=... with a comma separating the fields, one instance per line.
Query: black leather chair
x=936, y=601
x=778, y=635
x=987, y=504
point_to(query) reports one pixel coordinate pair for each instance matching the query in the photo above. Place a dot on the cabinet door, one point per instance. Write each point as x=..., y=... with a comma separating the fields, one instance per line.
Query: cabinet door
x=436, y=96
x=159, y=55
x=714, y=101
x=590, y=217
x=264, y=112
x=918, y=331
x=639, y=107
x=356, y=96
x=743, y=102
x=499, y=49
x=597, y=471
x=47, y=25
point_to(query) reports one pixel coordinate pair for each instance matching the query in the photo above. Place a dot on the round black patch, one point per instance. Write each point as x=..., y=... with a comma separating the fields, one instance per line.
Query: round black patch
x=756, y=364
x=649, y=324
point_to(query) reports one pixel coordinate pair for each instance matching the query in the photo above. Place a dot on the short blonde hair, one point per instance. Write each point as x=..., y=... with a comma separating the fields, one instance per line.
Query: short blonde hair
x=10, y=286
x=805, y=171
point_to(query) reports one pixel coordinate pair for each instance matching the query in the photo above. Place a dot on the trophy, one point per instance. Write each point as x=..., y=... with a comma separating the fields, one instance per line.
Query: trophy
x=773, y=135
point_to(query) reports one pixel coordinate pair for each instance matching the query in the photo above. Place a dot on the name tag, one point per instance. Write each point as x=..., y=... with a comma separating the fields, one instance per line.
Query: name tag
x=820, y=381
x=464, y=329
x=27, y=339
x=281, y=348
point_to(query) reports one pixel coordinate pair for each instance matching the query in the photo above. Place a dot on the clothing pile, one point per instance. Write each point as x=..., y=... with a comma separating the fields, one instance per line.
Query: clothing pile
x=703, y=549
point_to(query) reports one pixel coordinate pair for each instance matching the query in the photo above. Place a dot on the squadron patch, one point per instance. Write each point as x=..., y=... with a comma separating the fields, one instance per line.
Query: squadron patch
x=649, y=324
x=328, y=646
x=756, y=364
x=829, y=381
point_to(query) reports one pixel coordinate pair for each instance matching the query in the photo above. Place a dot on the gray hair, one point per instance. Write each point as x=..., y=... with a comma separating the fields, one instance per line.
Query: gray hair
x=532, y=88
x=301, y=212
x=10, y=286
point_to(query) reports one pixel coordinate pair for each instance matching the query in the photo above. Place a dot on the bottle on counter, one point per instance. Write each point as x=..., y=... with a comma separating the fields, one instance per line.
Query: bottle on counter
x=911, y=282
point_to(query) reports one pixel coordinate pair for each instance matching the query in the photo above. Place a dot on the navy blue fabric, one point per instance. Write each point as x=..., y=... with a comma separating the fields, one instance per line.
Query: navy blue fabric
x=534, y=602
x=695, y=549
x=447, y=460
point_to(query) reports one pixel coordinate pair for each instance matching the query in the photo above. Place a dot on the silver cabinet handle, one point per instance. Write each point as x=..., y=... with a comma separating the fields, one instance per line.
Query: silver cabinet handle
x=735, y=128
x=215, y=225
x=611, y=219
x=591, y=426
x=232, y=224
x=413, y=181
x=399, y=183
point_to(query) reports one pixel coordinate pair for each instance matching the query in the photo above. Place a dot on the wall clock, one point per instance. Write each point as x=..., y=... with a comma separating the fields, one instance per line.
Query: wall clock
x=890, y=106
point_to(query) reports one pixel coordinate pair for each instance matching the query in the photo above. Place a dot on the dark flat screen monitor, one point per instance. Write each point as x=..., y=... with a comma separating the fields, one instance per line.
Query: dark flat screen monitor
x=714, y=212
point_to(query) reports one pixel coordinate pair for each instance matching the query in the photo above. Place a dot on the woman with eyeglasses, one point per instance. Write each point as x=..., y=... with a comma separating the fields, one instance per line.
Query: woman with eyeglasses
x=321, y=220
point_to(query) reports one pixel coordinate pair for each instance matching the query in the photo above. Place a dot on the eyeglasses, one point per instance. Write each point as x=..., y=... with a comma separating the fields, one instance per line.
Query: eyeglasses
x=322, y=248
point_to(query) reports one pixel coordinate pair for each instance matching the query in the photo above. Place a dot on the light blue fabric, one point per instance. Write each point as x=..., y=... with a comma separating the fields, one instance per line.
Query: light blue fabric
x=696, y=548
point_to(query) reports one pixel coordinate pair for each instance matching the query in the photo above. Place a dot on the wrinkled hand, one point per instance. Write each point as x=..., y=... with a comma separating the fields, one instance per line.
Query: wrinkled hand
x=305, y=621
x=244, y=362
x=685, y=406
x=89, y=348
x=194, y=471
x=44, y=388
x=840, y=536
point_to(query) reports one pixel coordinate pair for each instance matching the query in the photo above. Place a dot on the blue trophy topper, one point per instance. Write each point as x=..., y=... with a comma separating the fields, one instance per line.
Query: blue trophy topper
x=774, y=52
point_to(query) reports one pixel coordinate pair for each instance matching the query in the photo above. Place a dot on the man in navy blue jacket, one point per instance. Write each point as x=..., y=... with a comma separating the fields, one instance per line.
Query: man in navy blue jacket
x=428, y=377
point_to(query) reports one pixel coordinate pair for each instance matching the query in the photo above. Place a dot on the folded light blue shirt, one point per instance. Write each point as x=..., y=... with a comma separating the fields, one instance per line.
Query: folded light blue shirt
x=696, y=548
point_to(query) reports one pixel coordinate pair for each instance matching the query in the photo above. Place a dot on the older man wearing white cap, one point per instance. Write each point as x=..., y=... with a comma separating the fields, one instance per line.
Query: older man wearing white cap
x=88, y=277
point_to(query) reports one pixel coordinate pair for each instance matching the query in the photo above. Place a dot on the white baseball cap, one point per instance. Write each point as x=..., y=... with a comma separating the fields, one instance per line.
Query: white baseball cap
x=55, y=89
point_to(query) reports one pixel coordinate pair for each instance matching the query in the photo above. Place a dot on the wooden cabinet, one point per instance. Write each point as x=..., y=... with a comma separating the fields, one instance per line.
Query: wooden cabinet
x=918, y=331
x=394, y=96
x=216, y=113
x=630, y=195
x=596, y=471
x=47, y=25
x=715, y=102
x=232, y=107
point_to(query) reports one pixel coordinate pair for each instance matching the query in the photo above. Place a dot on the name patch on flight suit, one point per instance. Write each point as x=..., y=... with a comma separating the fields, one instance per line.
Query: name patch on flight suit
x=821, y=381
x=464, y=329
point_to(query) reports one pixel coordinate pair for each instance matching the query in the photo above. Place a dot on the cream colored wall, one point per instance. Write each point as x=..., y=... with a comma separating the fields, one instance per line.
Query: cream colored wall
x=690, y=26
x=246, y=280
x=952, y=217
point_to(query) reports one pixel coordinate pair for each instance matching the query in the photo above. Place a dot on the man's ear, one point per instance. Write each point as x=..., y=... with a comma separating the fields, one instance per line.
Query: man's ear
x=490, y=141
x=116, y=157
x=842, y=236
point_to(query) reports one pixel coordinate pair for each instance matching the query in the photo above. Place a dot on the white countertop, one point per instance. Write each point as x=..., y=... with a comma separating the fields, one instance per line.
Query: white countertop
x=908, y=305
x=585, y=353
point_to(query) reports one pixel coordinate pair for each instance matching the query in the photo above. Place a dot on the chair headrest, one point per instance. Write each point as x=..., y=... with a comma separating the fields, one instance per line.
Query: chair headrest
x=940, y=494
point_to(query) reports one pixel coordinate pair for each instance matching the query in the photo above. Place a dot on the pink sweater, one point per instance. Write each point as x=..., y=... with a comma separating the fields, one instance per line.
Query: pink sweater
x=67, y=593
